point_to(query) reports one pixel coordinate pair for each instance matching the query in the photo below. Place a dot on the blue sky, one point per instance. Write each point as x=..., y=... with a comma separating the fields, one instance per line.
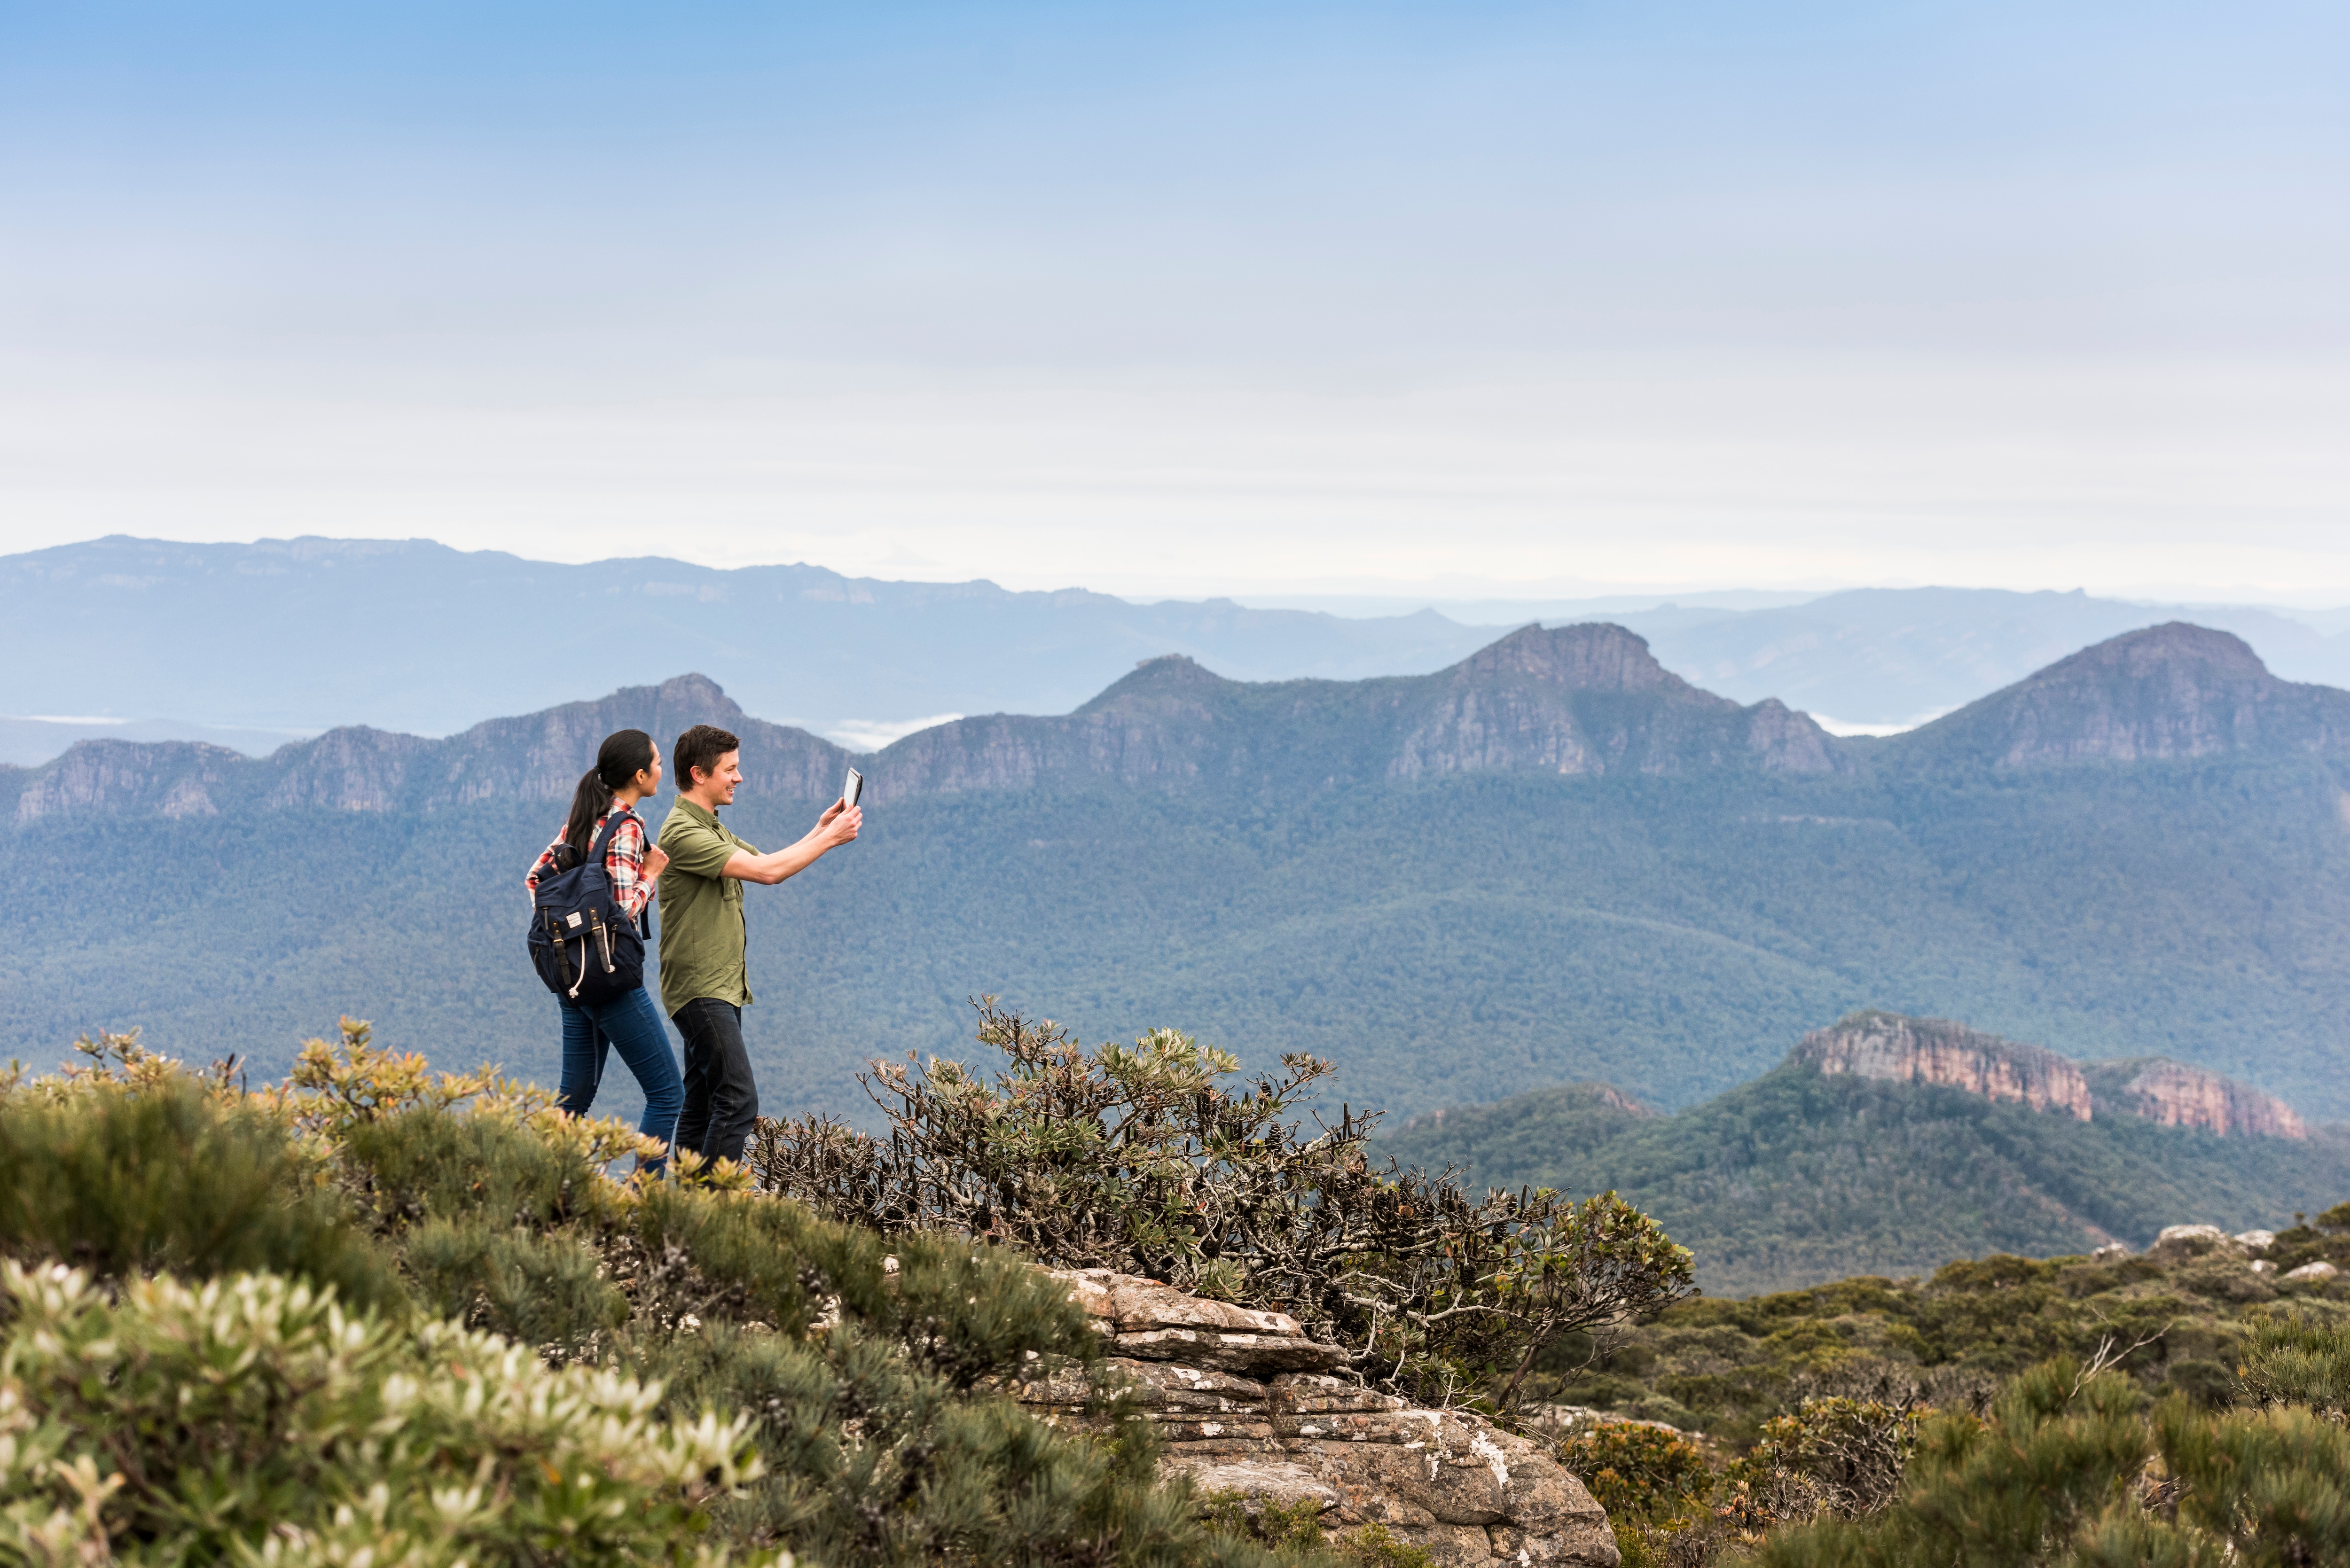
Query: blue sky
x=1184, y=299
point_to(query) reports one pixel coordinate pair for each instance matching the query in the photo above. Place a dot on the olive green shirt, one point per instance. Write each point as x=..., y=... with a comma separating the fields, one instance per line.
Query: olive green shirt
x=700, y=911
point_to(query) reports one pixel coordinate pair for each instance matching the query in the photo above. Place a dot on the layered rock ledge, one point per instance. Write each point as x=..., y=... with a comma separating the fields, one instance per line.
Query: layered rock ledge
x=1248, y=1405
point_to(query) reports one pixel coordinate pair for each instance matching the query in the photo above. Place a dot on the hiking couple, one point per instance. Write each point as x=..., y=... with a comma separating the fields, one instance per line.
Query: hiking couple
x=592, y=892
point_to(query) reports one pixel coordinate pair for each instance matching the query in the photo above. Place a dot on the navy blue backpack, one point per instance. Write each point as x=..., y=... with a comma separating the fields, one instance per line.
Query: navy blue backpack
x=581, y=944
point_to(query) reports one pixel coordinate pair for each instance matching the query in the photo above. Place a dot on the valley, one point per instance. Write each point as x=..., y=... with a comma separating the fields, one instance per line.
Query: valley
x=1888, y=1146
x=1553, y=862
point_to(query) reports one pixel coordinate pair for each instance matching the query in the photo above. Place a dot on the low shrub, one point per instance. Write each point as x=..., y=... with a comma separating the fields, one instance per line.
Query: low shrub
x=1640, y=1472
x=1145, y=1160
x=1835, y=1455
x=394, y=1316
x=251, y=1416
x=170, y=1178
x=2295, y=1358
x=2069, y=1468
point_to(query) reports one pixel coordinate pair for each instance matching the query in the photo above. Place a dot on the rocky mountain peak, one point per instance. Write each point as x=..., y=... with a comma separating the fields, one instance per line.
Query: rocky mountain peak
x=2166, y=692
x=1889, y=1046
x=1592, y=699
x=1591, y=656
x=1173, y=684
x=1173, y=667
x=2166, y=653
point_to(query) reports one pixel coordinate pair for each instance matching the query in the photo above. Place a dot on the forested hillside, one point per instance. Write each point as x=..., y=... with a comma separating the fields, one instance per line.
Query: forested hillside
x=1553, y=862
x=1828, y=1166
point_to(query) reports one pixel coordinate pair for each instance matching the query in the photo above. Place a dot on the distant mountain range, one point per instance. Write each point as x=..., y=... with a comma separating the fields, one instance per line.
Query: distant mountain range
x=246, y=645
x=305, y=634
x=1553, y=861
x=1885, y=657
x=1889, y=1146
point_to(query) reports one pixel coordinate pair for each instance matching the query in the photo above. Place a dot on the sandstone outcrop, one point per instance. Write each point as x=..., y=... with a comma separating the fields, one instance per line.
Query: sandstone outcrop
x=1248, y=1405
x=2176, y=1095
x=1897, y=1049
x=2188, y=1239
x=1887, y=1045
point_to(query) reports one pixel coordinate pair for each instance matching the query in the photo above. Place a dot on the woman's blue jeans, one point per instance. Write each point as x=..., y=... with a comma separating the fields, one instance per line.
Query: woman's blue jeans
x=631, y=1023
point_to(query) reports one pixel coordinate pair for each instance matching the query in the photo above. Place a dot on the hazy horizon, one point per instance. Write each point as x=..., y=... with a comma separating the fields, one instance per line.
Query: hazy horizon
x=1498, y=300
x=1348, y=597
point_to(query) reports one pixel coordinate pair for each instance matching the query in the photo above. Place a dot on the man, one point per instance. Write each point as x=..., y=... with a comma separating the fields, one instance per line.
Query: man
x=705, y=984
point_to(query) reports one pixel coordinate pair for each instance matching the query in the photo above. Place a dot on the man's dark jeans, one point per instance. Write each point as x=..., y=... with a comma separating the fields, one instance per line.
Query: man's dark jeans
x=722, y=1101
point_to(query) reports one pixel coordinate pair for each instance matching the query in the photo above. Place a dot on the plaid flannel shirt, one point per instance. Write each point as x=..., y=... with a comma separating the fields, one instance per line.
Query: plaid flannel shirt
x=624, y=863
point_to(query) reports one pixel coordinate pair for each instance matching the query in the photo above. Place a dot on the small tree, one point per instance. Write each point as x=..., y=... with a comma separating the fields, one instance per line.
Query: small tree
x=1141, y=1159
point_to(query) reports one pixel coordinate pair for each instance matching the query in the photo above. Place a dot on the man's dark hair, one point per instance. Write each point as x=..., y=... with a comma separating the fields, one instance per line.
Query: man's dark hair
x=701, y=747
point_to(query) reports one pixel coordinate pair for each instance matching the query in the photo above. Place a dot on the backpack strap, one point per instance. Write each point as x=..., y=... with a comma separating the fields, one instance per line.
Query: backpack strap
x=597, y=841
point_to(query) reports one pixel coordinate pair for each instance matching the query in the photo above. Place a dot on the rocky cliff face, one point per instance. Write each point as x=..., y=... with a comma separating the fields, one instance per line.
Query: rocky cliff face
x=172, y=779
x=1586, y=700
x=2176, y=1095
x=1247, y=1405
x=1935, y=1050
x=1593, y=700
x=1578, y=700
x=536, y=757
x=2166, y=693
x=1889, y=1046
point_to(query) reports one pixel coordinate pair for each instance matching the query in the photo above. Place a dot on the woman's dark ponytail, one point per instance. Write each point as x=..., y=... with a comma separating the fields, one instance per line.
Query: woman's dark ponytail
x=589, y=802
x=624, y=754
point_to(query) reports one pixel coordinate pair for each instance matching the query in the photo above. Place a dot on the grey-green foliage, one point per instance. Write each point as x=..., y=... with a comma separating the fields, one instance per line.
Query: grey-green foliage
x=1800, y=1177
x=2295, y=1358
x=1148, y=1160
x=252, y=1419
x=831, y=1400
x=170, y=1180
x=2069, y=1466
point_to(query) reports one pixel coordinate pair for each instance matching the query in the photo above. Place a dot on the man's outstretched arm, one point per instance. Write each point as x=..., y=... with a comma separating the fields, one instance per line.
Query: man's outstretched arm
x=836, y=828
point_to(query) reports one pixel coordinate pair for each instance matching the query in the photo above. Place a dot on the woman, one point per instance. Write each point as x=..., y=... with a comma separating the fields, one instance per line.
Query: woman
x=628, y=770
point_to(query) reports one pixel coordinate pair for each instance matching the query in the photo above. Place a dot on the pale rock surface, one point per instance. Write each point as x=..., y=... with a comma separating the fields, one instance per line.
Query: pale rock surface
x=2187, y=1238
x=1896, y=1049
x=2257, y=1241
x=2174, y=1094
x=2319, y=1271
x=1247, y=1405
